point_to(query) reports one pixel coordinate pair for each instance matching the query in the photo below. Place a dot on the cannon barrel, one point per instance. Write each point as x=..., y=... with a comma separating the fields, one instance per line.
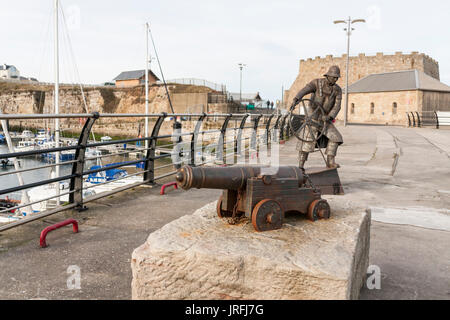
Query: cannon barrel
x=232, y=178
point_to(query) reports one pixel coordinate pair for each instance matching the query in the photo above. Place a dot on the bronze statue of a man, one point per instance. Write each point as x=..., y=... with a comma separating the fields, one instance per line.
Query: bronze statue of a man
x=327, y=94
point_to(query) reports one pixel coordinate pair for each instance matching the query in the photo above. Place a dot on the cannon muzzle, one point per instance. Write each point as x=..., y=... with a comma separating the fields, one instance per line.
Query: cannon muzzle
x=232, y=178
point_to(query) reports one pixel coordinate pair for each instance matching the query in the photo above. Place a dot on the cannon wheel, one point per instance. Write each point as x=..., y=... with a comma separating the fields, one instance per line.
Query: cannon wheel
x=267, y=215
x=220, y=212
x=306, y=121
x=319, y=209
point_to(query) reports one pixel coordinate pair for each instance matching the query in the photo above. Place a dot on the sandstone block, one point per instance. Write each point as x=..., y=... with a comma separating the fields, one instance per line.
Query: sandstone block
x=201, y=256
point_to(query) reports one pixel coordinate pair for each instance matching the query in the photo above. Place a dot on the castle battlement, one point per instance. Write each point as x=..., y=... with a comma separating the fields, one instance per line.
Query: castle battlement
x=376, y=55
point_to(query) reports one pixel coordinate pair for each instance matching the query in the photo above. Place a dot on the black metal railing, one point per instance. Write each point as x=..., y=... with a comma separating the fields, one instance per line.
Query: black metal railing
x=186, y=139
x=423, y=118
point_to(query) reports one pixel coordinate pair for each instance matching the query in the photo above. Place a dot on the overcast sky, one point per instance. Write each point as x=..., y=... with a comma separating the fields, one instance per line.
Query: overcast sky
x=207, y=39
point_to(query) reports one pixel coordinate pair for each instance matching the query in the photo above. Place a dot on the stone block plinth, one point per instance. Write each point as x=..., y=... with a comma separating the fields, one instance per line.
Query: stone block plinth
x=201, y=256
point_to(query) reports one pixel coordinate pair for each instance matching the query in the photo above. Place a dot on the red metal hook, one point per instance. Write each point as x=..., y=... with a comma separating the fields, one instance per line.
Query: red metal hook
x=163, y=188
x=57, y=226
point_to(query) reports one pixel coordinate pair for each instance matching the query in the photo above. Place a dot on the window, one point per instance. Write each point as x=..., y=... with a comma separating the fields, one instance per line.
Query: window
x=394, y=108
x=372, y=108
x=352, y=110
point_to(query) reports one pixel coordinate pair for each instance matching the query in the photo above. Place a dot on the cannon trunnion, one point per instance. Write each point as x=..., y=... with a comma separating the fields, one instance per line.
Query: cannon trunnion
x=259, y=193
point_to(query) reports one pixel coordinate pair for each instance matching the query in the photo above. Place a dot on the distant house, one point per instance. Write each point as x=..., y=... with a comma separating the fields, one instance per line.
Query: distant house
x=134, y=78
x=9, y=72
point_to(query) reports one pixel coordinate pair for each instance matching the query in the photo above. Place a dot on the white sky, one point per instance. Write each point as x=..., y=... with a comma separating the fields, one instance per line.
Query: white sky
x=207, y=39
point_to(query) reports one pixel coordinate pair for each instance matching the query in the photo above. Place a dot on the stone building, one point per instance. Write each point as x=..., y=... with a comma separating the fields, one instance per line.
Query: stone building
x=134, y=78
x=385, y=98
x=360, y=66
x=410, y=94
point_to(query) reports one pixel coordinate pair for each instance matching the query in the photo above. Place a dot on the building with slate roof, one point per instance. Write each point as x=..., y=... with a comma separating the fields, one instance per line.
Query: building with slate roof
x=385, y=98
x=9, y=72
x=134, y=78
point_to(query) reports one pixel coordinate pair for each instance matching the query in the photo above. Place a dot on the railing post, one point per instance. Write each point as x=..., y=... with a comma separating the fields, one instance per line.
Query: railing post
x=437, y=120
x=288, y=130
x=177, y=139
x=268, y=129
x=253, y=143
x=238, y=141
x=194, y=140
x=76, y=183
x=418, y=119
x=275, y=137
x=149, y=174
x=221, y=144
x=283, y=123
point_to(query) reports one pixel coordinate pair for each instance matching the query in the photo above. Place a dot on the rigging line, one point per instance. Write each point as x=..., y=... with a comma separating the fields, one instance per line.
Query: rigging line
x=75, y=66
x=162, y=75
x=77, y=77
x=76, y=71
x=67, y=47
x=45, y=46
x=65, y=60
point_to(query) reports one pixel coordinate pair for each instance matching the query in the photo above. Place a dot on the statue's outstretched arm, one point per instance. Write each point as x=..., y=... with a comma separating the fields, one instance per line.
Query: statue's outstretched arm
x=309, y=88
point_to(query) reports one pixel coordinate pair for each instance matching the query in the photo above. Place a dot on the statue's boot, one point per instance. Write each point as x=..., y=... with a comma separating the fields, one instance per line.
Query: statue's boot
x=331, y=163
x=331, y=152
x=302, y=157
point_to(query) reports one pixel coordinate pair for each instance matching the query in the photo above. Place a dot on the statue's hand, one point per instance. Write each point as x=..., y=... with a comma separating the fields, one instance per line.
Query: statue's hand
x=326, y=118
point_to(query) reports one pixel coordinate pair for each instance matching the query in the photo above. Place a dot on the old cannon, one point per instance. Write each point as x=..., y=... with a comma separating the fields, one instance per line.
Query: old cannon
x=262, y=194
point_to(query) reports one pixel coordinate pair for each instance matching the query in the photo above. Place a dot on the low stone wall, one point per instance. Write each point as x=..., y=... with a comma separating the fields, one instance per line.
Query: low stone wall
x=201, y=256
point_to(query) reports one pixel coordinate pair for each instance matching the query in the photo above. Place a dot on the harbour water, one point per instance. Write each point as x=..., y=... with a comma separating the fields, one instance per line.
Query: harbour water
x=11, y=180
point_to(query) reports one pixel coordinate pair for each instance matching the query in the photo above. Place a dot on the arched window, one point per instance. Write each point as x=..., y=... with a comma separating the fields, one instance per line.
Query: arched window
x=372, y=108
x=352, y=109
x=394, y=108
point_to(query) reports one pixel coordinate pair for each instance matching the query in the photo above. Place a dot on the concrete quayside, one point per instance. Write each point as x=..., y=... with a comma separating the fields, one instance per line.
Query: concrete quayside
x=401, y=174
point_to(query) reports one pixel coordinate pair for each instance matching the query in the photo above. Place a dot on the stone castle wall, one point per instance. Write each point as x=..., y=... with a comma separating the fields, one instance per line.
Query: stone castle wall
x=360, y=66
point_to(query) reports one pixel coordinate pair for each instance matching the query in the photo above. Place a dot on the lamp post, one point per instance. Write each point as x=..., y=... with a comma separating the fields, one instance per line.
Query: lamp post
x=241, y=65
x=349, y=33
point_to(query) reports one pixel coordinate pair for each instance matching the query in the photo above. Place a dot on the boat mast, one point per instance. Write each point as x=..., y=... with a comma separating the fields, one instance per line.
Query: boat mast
x=146, y=84
x=56, y=103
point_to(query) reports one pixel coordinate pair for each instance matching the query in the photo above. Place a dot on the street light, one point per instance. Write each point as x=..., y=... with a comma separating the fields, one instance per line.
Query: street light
x=349, y=33
x=241, y=65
